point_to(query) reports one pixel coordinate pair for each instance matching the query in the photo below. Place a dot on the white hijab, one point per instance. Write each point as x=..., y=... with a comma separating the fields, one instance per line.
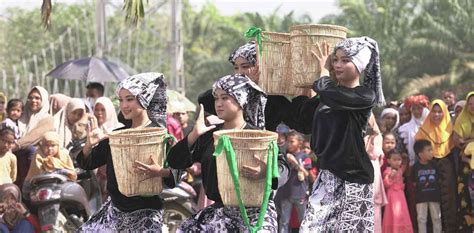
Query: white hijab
x=408, y=132
x=29, y=120
x=111, y=120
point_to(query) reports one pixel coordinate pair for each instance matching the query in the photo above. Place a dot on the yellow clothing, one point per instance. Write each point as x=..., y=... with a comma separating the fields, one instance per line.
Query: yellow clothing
x=463, y=124
x=40, y=165
x=469, y=150
x=45, y=164
x=438, y=134
x=7, y=168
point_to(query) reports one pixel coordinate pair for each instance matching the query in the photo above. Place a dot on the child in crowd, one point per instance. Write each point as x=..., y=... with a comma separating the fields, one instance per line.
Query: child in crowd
x=14, y=111
x=51, y=158
x=396, y=217
x=293, y=193
x=7, y=158
x=427, y=192
x=388, y=144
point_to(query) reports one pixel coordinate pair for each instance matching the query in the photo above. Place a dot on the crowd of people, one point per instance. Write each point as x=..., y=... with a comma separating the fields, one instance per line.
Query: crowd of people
x=341, y=167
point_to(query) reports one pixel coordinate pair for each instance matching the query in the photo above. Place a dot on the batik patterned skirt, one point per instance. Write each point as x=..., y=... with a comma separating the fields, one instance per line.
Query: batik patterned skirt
x=336, y=205
x=216, y=218
x=110, y=219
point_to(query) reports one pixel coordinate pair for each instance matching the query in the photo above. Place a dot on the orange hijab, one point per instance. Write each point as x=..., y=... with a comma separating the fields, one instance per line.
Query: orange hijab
x=438, y=134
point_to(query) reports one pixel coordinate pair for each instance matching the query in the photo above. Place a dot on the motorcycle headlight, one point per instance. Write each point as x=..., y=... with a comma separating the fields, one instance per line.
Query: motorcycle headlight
x=45, y=194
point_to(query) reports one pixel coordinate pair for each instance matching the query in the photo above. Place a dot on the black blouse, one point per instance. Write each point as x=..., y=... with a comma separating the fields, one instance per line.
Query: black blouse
x=181, y=156
x=101, y=155
x=276, y=109
x=337, y=118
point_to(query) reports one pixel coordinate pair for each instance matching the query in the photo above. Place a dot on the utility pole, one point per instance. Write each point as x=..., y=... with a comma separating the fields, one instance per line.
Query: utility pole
x=176, y=47
x=101, y=28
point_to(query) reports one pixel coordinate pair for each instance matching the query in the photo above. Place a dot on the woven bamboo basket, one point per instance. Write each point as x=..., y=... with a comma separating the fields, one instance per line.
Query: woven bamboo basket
x=304, y=38
x=275, y=65
x=137, y=144
x=246, y=144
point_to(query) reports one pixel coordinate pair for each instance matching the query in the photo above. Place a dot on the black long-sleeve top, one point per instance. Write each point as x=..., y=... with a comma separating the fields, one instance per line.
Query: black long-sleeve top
x=101, y=155
x=337, y=119
x=276, y=109
x=182, y=156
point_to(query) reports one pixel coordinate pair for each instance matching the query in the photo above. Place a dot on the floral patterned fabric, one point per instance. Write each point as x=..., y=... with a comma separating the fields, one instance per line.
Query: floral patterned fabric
x=250, y=97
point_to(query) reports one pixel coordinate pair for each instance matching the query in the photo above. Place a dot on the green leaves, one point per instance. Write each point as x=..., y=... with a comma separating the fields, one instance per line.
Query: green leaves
x=134, y=11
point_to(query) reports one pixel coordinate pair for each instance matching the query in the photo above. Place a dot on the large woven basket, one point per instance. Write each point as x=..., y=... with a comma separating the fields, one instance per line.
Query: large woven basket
x=275, y=65
x=304, y=38
x=137, y=144
x=246, y=144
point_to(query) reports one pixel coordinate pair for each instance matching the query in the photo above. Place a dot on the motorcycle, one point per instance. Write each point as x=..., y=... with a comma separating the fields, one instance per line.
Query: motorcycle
x=61, y=204
x=179, y=205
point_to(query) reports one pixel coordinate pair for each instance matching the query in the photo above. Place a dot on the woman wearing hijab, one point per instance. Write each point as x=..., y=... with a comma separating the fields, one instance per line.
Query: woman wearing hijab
x=65, y=119
x=418, y=106
x=244, y=60
x=437, y=128
x=104, y=112
x=57, y=102
x=390, y=120
x=342, y=195
x=463, y=135
x=241, y=104
x=14, y=216
x=33, y=124
x=143, y=100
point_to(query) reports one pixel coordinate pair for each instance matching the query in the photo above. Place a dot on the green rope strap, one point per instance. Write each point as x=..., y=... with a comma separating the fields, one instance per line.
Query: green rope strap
x=167, y=140
x=272, y=172
x=255, y=32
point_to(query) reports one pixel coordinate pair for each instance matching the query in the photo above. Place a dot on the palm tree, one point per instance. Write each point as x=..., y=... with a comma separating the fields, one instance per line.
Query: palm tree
x=446, y=28
x=134, y=12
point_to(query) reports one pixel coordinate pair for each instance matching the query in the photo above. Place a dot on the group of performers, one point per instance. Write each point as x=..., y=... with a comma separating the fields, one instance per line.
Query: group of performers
x=336, y=118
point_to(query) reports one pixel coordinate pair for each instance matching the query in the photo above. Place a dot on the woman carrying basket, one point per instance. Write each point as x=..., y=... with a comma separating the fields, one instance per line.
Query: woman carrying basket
x=342, y=196
x=244, y=60
x=143, y=100
x=241, y=104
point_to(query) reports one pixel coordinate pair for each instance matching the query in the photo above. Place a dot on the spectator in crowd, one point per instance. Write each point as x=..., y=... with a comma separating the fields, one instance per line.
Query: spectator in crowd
x=450, y=100
x=294, y=192
x=7, y=159
x=396, y=217
x=15, y=217
x=437, y=128
x=427, y=192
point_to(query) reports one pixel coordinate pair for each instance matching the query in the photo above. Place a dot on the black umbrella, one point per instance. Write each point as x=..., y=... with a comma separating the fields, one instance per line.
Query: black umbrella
x=90, y=69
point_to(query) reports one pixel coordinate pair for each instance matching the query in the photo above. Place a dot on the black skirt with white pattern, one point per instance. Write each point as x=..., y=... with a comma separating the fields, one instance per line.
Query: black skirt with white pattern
x=336, y=205
x=111, y=219
x=217, y=218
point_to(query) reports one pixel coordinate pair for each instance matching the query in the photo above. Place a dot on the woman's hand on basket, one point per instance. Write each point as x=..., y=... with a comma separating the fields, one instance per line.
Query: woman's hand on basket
x=323, y=57
x=152, y=169
x=200, y=127
x=255, y=173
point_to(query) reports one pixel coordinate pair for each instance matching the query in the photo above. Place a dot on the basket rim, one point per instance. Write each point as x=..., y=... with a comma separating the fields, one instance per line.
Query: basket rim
x=276, y=33
x=268, y=135
x=317, y=34
x=332, y=26
x=141, y=131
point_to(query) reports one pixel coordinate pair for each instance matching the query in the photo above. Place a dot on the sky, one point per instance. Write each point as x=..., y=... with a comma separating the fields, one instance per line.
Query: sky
x=315, y=8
